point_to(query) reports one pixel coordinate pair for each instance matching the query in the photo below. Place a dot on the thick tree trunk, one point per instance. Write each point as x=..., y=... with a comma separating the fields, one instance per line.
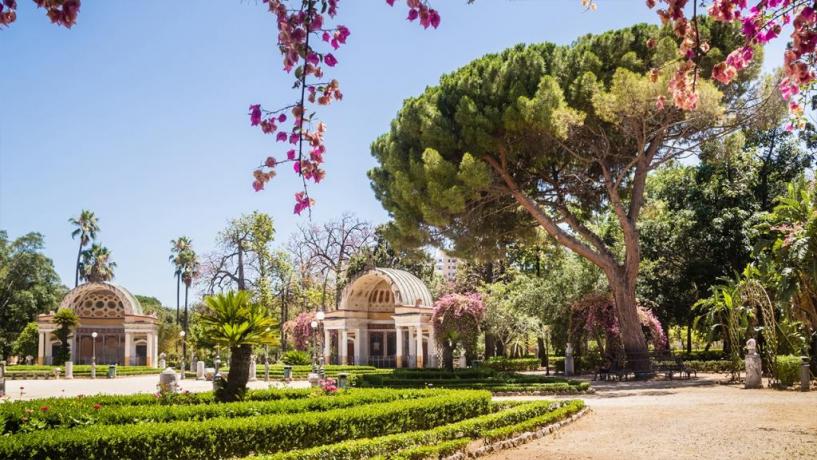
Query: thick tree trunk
x=490, y=346
x=500, y=348
x=542, y=352
x=239, y=374
x=632, y=337
x=448, y=356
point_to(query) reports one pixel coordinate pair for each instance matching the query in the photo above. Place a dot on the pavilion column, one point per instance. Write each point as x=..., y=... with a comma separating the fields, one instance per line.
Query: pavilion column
x=342, y=347
x=156, y=350
x=412, y=347
x=419, y=342
x=128, y=341
x=358, y=345
x=149, y=354
x=432, y=348
x=41, y=349
x=47, y=354
x=327, y=345
x=398, y=358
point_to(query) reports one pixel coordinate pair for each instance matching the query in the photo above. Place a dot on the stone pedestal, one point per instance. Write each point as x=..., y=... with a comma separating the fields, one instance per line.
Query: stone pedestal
x=754, y=366
x=805, y=375
x=253, y=369
x=570, y=368
x=69, y=370
x=162, y=361
x=314, y=379
x=200, y=370
x=167, y=380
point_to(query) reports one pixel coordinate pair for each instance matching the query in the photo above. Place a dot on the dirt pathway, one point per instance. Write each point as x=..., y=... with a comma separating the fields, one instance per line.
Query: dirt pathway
x=662, y=420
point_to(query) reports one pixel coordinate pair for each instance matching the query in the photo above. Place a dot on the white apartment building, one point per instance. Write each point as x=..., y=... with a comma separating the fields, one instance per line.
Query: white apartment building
x=445, y=265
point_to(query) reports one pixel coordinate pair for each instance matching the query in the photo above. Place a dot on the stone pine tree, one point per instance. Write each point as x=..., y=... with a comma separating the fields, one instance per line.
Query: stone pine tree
x=551, y=137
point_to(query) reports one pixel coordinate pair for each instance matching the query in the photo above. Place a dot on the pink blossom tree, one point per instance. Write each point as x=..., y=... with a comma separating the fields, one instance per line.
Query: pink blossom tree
x=300, y=329
x=456, y=320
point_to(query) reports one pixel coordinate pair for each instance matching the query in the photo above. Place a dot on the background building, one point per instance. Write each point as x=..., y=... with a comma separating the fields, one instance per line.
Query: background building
x=445, y=265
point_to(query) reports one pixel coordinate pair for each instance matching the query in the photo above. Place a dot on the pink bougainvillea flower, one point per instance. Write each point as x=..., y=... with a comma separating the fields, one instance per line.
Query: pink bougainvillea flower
x=258, y=186
x=413, y=14
x=291, y=154
x=282, y=118
x=281, y=137
x=330, y=60
x=270, y=162
x=255, y=114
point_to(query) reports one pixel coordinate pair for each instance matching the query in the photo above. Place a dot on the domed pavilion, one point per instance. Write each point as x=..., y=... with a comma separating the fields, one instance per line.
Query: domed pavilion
x=125, y=334
x=383, y=319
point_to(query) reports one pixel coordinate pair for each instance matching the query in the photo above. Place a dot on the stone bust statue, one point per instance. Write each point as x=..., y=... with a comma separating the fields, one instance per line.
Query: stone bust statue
x=751, y=346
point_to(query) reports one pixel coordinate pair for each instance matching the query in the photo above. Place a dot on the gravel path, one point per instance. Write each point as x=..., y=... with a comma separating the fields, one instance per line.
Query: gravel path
x=680, y=420
x=33, y=389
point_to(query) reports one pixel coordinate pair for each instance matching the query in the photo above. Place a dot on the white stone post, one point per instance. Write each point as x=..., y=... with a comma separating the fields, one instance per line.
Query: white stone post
x=200, y=370
x=162, y=361
x=569, y=365
x=156, y=350
x=398, y=359
x=344, y=338
x=253, y=369
x=69, y=370
x=754, y=367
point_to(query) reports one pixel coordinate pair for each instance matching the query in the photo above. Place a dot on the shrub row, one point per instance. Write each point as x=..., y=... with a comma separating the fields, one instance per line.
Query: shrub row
x=500, y=363
x=788, y=369
x=97, y=414
x=419, y=444
x=227, y=437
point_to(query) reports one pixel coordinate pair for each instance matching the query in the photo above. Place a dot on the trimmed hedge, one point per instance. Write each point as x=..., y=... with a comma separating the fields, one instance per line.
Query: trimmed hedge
x=407, y=445
x=484, y=379
x=505, y=432
x=441, y=450
x=788, y=369
x=226, y=437
x=501, y=363
x=97, y=414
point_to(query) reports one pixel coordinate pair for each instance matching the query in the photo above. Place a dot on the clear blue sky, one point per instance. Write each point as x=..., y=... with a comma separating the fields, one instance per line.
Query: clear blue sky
x=139, y=113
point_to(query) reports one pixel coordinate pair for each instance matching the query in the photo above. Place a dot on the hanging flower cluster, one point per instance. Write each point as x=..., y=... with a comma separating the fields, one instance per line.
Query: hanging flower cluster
x=60, y=12
x=760, y=22
x=307, y=42
x=300, y=329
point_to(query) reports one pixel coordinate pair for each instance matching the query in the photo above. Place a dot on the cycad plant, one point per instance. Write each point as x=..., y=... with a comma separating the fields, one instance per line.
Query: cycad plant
x=231, y=319
x=86, y=228
x=66, y=320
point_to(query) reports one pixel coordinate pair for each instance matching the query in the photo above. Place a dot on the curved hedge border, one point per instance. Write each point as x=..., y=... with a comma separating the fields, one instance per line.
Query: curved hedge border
x=97, y=414
x=444, y=440
x=226, y=437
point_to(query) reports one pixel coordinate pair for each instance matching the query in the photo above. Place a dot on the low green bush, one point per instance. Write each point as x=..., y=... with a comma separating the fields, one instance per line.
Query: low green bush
x=235, y=437
x=97, y=414
x=392, y=446
x=509, y=431
x=441, y=450
x=500, y=363
x=788, y=369
x=296, y=357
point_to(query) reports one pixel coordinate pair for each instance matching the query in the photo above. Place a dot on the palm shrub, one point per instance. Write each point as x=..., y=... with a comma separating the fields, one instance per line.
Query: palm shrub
x=296, y=357
x=66, y=320
x=234, y=321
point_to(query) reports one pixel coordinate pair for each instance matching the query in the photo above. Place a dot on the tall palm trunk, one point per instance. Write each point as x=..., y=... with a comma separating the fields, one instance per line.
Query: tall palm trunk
x=178, y=288
x=239, y=374
x=184, y=326
x=76, y=273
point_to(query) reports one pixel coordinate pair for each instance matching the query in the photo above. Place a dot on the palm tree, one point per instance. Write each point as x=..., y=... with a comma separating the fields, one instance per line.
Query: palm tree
x=177, y=248
x=190, y=270
x=66, y=320
x=233, y=320
x=96, y=265
x=86, y=231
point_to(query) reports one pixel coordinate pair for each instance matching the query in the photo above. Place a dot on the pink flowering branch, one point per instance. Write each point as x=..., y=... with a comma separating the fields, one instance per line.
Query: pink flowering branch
x=299, y=31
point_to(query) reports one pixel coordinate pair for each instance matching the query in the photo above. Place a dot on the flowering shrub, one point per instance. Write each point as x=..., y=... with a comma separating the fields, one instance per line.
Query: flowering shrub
x=456, y=320
x=301, y=330
x=329, y=386
x=595, y=315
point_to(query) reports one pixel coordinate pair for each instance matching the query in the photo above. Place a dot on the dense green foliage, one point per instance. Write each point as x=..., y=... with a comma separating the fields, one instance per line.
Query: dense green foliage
x=234, y=437
x=502, y=423
x=27, y=341
x=501, y=363
x=483, y=378
x=296, y=357
x=788, y=369
x=66, y=320
x=28, y=285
